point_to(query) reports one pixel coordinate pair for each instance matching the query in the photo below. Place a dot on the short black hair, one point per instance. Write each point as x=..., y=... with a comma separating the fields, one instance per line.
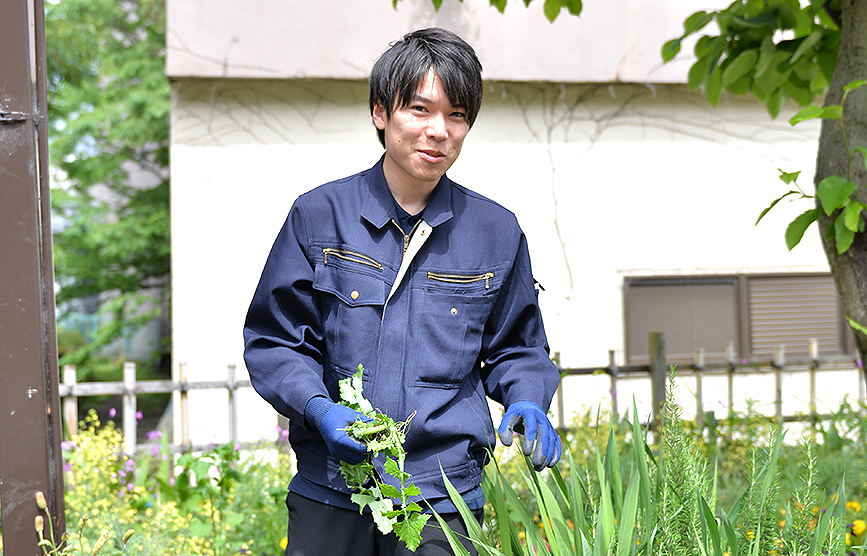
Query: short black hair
x=401, y=69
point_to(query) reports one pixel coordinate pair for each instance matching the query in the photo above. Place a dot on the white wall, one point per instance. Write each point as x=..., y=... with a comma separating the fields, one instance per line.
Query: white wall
x=612, y=40
x=607, y=182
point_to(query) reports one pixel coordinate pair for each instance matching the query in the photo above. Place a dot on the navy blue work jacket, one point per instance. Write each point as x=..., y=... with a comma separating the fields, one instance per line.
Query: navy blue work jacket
x=461, y=323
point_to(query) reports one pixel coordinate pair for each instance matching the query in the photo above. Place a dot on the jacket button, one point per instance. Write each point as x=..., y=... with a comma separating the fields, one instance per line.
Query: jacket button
x=354, y=294
x=454, y=311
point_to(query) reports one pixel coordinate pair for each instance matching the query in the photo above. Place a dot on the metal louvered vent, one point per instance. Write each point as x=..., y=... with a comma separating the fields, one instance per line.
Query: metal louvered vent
x=791, y=310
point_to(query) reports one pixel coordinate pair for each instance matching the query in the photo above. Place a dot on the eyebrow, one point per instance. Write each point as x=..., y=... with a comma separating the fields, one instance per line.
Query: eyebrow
x=419, y=98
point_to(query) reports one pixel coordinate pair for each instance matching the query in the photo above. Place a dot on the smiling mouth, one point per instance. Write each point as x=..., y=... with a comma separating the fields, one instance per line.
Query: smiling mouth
x=433, y=156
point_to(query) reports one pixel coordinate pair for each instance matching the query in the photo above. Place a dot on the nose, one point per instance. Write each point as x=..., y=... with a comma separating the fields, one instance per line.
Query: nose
x=437, y=128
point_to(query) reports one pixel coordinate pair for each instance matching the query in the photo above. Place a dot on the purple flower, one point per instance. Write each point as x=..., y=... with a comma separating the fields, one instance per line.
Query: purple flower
x=67, y=466
x=172, y=481
x=138, y=416
x=111, y=413
x=153, y=435
x=130, y=486
x=67, y=445
x=155, y=450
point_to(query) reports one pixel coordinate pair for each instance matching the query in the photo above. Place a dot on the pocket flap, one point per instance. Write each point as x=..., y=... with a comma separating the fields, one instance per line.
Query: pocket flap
x=353, y=288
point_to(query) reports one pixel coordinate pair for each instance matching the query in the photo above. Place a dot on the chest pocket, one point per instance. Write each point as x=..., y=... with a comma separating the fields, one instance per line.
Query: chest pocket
x=353, y=292
x=456, y=305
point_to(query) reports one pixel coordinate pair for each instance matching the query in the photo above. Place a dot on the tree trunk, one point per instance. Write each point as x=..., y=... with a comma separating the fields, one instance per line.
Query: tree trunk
x=850, y=268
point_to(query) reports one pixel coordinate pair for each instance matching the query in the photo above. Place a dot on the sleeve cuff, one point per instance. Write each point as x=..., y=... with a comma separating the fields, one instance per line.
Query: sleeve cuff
x=316, y=408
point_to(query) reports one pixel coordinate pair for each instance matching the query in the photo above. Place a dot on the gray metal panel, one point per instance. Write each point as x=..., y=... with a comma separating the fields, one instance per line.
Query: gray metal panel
x=792, y=310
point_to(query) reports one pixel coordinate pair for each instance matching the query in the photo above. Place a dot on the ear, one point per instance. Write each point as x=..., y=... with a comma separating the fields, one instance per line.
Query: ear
x=379, y=117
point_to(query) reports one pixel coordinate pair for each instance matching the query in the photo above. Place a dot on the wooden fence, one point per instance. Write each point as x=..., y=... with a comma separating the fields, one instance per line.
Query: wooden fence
x=656, y=370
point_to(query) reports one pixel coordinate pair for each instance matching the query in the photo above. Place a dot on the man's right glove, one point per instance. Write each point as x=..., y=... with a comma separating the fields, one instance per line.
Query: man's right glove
x=331, y=420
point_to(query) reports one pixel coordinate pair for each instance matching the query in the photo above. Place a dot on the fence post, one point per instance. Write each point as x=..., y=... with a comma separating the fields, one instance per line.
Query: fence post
x=657, y=374
x=814, y=366
x=561, y=419
x=129, y=407
x=233, y=408
x=730, y=375
x=777, y=363
x=698, y=365
x=70, y=403
x=612, y=372
x=185, y=405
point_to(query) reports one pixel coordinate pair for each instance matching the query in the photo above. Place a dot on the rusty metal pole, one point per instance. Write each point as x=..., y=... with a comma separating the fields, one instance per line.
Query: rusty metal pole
x=30, y=424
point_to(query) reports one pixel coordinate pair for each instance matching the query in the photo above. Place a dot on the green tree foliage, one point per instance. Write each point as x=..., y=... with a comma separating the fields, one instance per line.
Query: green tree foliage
x=108, y=100
x=775, y=49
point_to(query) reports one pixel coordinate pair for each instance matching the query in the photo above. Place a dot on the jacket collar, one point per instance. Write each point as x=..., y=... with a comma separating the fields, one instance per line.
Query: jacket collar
x=378, y=208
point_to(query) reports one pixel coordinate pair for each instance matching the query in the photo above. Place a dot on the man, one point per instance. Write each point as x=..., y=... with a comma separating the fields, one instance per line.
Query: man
x=428, y=286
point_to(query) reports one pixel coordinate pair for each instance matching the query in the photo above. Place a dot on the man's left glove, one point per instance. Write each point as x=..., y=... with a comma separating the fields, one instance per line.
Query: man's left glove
x=540, y=438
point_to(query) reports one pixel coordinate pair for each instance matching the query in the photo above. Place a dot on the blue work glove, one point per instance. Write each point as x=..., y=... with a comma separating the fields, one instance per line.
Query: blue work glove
x=540, y=438
x=331, y=420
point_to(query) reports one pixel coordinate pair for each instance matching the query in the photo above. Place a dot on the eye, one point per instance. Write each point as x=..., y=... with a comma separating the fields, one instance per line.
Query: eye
x=459, y=115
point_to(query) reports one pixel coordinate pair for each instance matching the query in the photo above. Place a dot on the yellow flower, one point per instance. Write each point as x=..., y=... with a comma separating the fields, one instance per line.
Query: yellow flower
x=751, y=534
x=284, y=542
x=848, y=539
x=858, y=527
x=854, y=506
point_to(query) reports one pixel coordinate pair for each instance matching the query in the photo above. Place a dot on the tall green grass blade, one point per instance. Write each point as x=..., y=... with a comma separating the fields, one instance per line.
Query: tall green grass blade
x=612, y=465
x=600, y=543
x=575, y=504
x=626, y=532
x=818, y=540
x=474, y=529
x=552, y=517
x=644, y=491
x=731, y=536
x=497, y=498
x=452, y=537
x=709, y=526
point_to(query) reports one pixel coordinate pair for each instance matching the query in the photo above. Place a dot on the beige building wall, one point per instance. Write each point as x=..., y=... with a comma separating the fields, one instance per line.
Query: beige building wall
x=614, y=168
x=608, y=181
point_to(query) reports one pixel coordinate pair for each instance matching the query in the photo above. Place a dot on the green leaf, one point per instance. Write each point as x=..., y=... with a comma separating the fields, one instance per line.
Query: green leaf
x=795, y=230
x=389, y=491
x=713, y=88
x=854, y=85
x=774, y=203
x=698, y=73
x=670, y=49
x=833, y=193
x=500, y=5
x=739, y=67
x=806, y=45
x=815, y=112
x=852, y=215
x=409, y=530
x=788, y=177
x=857, y=326
x=843, y=236
x=697, y=21
x=552, y=9
x=574, y=6
x=774, y=103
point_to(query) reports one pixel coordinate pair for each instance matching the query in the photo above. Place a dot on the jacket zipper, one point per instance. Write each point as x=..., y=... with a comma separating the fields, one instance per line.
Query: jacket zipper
x=351, y=256
x=406, y=237
x=462, y=278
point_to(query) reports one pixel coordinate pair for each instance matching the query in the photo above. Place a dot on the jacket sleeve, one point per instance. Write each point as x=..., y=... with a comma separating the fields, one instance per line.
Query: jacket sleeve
x=516, y=365
x=283, y=339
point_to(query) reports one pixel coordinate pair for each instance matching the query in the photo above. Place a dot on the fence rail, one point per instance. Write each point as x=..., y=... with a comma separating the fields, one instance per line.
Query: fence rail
x=656, y=370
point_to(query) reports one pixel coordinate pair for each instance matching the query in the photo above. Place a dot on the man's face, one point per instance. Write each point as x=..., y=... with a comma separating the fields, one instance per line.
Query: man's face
x=424, y=138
